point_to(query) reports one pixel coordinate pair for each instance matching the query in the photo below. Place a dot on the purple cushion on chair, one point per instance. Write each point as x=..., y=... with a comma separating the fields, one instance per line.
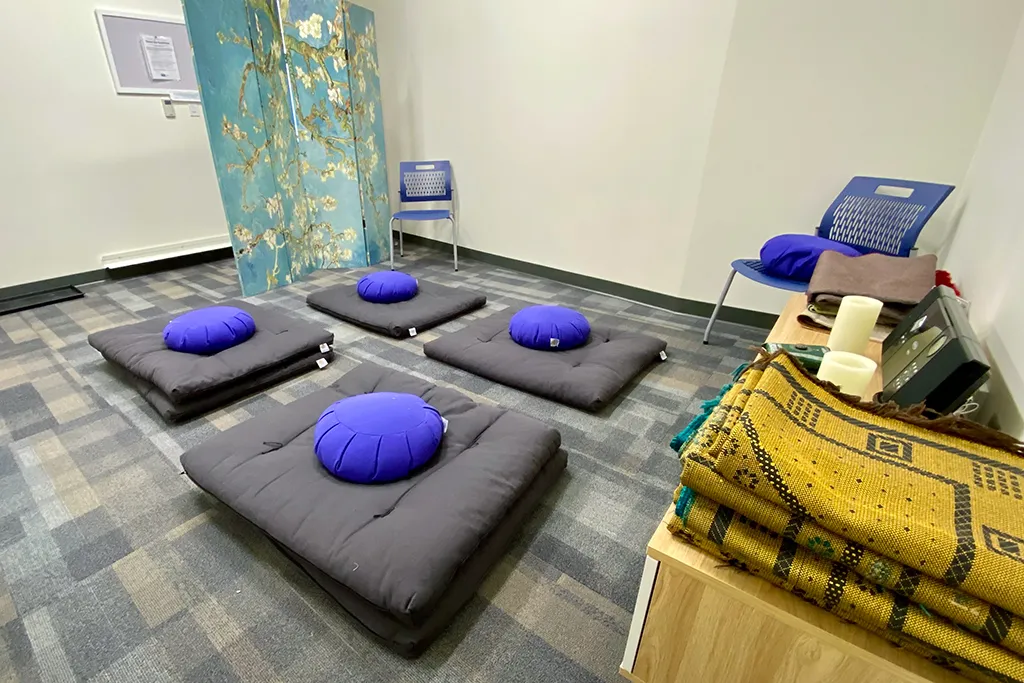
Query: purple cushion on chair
x=549, y=328
x=387, y=287
x=209, y=330
x=794, y=257
x=376, y=438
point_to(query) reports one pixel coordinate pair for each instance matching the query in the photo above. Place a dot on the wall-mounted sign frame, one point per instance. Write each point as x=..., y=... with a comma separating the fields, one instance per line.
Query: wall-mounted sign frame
x=126, y=37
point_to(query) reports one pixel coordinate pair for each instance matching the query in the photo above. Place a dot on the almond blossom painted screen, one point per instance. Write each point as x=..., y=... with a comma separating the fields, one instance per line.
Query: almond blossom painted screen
x=291, y=95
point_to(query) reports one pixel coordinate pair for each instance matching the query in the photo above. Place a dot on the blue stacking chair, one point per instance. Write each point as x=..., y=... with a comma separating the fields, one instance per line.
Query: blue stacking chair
x=871, y=214
x=425, y=181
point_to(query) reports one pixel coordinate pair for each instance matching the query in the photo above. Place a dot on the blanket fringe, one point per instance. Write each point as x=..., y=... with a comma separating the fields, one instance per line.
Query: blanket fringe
x=684, y=437
x=918, y=415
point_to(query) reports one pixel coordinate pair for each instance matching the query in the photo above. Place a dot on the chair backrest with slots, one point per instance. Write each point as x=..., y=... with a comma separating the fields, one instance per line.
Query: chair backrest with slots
x=882, y=214
x=425, y=181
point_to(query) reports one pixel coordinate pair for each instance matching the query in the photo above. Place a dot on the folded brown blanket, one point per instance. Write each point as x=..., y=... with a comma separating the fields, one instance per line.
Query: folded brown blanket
x=827, y=305
x=899, y=283
x=812, y=316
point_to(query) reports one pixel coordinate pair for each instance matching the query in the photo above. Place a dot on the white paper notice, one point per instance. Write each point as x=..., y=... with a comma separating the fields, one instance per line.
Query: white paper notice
x=161, y=61
x=184, y=95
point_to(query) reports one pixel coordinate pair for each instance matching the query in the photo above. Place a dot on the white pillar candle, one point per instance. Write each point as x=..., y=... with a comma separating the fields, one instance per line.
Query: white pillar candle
x=854, y=323
x=852, y=373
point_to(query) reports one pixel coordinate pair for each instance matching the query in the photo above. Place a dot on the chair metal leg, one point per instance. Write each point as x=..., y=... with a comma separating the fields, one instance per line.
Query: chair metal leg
x=391, y=242
x=718, y=306
x=455, y=241
x=401, y=240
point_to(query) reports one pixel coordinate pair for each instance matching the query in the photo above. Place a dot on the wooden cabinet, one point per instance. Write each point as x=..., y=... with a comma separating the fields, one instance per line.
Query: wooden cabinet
x=697, y=620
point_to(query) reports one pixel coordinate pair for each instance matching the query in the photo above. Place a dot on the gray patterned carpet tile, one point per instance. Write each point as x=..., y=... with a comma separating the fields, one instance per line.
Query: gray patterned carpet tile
x=114, y=567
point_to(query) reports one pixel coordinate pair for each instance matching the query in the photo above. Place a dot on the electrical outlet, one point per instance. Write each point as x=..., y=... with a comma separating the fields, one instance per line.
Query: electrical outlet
x=194, y=110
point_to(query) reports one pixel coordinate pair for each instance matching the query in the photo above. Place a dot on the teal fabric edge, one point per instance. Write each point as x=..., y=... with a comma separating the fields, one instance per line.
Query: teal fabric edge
x=685, y=502
x=683, y=437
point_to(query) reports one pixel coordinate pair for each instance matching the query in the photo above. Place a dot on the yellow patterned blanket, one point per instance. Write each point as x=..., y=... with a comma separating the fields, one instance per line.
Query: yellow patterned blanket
x=907, y=529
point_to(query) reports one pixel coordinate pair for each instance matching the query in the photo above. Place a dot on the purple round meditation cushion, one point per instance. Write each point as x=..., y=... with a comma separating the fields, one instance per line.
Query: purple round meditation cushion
x=549, y=328
x=376, y=438
x=387, y=287
x=209, y=330
x=794, y=257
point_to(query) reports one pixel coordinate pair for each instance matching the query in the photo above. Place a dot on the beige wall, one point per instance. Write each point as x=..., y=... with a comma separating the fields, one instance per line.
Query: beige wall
x=652, y=142
x=87, y=172
x=986, y=253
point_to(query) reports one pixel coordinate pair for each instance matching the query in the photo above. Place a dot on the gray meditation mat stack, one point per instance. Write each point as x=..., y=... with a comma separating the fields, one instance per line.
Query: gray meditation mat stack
x=432, y=305
x=182, y=385
x=402, y=557
x=587, y=377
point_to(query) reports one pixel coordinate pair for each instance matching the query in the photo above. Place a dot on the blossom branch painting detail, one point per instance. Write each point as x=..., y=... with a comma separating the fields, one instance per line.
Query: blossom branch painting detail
x=291, y=92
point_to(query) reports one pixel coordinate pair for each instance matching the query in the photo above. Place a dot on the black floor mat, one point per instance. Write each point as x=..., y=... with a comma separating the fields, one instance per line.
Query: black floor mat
x=36, y=299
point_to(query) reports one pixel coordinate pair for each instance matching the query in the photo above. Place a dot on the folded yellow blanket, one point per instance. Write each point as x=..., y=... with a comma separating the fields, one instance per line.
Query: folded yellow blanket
x=988, y=621
x=721, y=531
x=940, y=504
x=927, y=516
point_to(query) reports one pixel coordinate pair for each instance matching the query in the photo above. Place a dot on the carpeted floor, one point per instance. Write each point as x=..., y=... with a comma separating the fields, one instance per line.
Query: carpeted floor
x=113, y=567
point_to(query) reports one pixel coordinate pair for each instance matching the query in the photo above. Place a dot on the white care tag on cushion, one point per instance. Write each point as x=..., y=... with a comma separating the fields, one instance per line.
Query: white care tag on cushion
x=324, y=348
x=321, y=363
x=554, y=343
x=412, y=331
x=663, y=356
x=445, y=423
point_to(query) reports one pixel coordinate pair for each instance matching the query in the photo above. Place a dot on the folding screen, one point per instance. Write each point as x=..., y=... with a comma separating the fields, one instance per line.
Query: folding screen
x=291, y=94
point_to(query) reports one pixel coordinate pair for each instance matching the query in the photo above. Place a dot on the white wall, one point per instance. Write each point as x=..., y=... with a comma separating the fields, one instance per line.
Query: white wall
x=986, y=252
x=647, y=143
x=652, y=142
x=816, y=92
x=578, y=130
x=87, y=172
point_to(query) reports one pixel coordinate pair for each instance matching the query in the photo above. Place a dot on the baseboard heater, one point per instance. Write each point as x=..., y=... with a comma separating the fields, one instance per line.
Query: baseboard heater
x=162, y=252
